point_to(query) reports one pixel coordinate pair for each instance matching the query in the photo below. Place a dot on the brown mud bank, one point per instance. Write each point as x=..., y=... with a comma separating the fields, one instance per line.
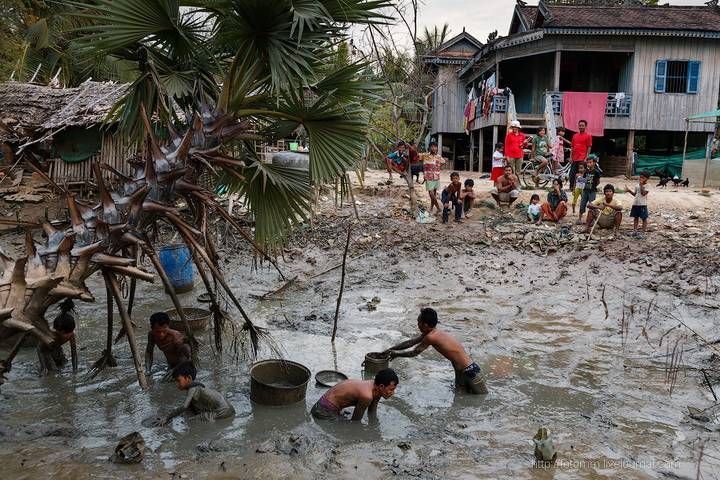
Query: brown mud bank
x=606, y=343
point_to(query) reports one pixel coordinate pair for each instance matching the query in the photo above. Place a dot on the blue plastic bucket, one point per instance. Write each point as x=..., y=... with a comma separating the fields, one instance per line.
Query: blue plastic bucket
x=178, y=265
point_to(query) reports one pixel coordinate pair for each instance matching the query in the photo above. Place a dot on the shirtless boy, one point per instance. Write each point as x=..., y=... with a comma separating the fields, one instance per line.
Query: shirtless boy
x=171, y=342
x=203, y=402
x=51, y=356
x=362, y=394
x=507, y=187
x=467, y=372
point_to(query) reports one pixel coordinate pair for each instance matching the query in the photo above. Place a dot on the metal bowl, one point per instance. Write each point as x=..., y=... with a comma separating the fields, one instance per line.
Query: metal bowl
x=329, y=378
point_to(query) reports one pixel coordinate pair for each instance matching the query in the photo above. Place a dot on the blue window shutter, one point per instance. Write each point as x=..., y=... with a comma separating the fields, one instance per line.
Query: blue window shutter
x=693, y=83
x=660, y=75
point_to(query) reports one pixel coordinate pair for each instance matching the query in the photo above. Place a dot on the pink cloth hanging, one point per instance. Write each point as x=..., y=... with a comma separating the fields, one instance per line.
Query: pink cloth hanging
x=589, y=106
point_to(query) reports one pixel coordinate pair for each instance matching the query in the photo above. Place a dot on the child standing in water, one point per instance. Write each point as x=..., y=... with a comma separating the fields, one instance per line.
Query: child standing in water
x=203, y=402
x=579, y=184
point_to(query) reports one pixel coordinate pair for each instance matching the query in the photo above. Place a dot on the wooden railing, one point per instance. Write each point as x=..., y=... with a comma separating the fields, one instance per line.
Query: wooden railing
x=617, y=105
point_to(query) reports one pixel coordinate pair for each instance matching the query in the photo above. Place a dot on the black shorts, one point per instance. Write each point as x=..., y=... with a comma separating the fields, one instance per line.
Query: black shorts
x=639, y=211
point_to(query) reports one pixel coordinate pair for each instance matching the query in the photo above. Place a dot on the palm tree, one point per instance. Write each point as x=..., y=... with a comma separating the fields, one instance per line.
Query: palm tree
x=251, y=70
x=432, y=39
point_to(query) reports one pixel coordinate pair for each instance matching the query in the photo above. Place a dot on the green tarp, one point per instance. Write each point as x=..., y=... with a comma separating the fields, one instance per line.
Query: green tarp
x=714, y=113
x=77, y=144
x=672, y=164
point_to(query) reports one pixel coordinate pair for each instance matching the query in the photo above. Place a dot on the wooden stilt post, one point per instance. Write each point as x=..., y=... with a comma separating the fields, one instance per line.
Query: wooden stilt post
x=110, y=278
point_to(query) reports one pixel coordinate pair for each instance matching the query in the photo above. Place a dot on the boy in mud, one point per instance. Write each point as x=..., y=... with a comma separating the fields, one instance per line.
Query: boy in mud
x=362, y=394
x=202, y=402
x=605, y=211
x=171, y=342
x=52, y=358
x=467, y=372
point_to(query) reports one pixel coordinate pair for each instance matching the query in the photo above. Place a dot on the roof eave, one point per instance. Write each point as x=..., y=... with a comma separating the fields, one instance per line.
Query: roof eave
x=647, y=32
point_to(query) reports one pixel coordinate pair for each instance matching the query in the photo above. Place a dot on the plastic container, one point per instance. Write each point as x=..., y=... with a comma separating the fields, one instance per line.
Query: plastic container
x=178, y=265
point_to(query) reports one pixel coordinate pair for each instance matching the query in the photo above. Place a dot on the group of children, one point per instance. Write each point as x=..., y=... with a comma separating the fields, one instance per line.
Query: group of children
x=456, y=196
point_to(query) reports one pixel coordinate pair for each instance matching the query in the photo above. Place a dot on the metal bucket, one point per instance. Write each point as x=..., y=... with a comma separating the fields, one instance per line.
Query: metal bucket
x=375, y=361
x=198, y=318
x=177, y=263
x=278, y=382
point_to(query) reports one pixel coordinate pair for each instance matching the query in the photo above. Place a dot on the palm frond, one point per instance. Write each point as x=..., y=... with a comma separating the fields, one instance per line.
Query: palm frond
x=277, y=196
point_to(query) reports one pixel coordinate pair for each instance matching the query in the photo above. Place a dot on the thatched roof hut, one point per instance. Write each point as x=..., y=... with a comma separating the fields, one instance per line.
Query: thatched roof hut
x=27, y=109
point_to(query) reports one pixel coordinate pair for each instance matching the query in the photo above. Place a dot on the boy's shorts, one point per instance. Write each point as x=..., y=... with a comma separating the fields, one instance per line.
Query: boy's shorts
x=431, y=185
x=576, y=194
x=472, y=379
x=639, y=211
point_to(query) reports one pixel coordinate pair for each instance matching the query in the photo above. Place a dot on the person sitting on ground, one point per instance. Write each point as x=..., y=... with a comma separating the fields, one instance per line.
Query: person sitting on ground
x=534, y=212
x=467, y=372
x=507, y=187
x=52, y=358
x=361, y=394
x=202, y=403
x=171, y=342
x=592, y=180
x=498, y=163
x=605, y=211
x=398, y=160
x=431, y=174
x=450, y=197
x=539, y=153
x=555, y=208
x=416, y=165
x=467, y=196
x=579, y=185
x=639, y=208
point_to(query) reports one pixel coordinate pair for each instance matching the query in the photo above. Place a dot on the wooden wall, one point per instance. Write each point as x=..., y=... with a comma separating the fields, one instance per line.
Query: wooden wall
x=448, y=102
x=667, y=111
x=113, y=152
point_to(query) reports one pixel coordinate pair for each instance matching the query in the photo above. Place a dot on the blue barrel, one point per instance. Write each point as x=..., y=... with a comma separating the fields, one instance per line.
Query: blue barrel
x=178, y=265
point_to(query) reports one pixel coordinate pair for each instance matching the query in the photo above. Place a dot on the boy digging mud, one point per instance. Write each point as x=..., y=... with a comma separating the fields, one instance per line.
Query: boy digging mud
x=52, y=358
x=204, y=403
x=467, y=372
x=171, y=342
x=362, y=394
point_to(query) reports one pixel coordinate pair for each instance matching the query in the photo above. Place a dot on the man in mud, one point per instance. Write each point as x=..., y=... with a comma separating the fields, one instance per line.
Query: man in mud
x=171, y=342
x=52, y=358
x=361, y=394
x=467, y=372
x=507, y=187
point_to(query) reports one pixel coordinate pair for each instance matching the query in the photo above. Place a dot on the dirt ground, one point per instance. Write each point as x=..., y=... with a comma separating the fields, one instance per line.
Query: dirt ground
x=606, y=342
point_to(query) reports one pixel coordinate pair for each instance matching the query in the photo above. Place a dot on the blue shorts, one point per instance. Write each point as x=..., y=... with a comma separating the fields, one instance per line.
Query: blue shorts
x=639, y=211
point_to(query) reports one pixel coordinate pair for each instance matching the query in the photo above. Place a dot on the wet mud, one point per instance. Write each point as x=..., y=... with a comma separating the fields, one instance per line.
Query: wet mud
x=574, y=341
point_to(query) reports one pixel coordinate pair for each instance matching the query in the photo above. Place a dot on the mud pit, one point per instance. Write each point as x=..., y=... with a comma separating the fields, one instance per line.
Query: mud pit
x=536, y=324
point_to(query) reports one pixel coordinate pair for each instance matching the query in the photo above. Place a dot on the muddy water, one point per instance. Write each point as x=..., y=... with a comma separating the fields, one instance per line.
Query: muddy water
x=551, y=357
